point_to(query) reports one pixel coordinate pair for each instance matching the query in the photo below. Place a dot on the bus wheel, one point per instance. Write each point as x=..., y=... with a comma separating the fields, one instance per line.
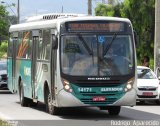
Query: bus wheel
x=158, y=102
x=114, y=110
x=23, y=100
x=50, y=108
x=33, y=104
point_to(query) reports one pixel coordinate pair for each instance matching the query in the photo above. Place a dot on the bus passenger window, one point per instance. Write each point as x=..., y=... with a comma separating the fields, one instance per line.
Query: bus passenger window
x=23, y=46
x=10, y=45
x=46, y=44
x=40, y=46
x=18, y=43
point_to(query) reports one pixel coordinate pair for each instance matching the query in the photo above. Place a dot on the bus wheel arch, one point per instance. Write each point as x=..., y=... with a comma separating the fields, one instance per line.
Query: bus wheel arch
x=50, y=108
x=45, y=89
x=23, y=100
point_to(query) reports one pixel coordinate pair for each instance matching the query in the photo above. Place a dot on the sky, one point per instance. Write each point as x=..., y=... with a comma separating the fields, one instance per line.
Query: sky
x=36, y=7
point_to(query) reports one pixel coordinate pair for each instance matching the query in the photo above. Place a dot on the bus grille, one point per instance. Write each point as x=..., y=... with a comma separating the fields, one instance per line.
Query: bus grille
x=108, y=92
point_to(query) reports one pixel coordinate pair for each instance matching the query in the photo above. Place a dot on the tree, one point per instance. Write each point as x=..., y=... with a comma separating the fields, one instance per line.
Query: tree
x=12, y=19
x=3, y=49
x=4, y=24
x=104, y=10
x=108, y=9
x=142, y=15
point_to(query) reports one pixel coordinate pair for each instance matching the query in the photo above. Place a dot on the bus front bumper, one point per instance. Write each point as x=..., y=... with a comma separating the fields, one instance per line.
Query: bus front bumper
x=65, y=99
x=129, y=99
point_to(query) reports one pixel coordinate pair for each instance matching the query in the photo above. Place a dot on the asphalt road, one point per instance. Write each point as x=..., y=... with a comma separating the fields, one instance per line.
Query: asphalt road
x=10, y=109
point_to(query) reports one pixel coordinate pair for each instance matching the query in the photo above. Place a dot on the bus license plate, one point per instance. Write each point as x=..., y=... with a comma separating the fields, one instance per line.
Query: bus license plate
x=98, y=98
x=148, y=93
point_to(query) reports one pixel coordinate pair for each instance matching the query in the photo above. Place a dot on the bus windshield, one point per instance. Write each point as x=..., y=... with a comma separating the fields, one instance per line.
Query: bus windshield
x=96, y=55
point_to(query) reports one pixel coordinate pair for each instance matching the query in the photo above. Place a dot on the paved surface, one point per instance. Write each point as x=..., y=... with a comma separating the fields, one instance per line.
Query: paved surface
x=10, y=109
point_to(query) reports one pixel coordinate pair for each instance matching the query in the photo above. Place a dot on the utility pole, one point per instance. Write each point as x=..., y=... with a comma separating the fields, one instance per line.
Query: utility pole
x=157, y=36
x=62, y=10
x=18, y=12
x=89, y=7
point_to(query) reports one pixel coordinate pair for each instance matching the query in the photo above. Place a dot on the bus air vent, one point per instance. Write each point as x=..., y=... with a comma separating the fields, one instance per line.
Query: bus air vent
x=52, y=16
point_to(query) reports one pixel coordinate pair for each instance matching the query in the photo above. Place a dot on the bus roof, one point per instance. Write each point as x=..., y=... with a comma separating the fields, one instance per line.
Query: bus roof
x=54, y=23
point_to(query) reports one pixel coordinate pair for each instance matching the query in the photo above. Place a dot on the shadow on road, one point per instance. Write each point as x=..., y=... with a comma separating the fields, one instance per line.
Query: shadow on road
x=93, y=113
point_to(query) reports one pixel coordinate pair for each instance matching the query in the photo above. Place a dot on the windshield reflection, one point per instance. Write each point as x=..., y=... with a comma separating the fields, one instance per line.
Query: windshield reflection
x=145, y=74
x=85, y=55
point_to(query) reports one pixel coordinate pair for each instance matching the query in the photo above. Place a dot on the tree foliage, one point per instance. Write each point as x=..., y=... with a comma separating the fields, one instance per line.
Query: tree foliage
x=104, y=10
x=3, y=49
x=4, y=25
x=12, y=19
x=142, y=15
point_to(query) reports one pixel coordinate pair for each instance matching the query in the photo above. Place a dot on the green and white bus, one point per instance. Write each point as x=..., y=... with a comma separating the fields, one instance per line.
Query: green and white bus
x=71, y=60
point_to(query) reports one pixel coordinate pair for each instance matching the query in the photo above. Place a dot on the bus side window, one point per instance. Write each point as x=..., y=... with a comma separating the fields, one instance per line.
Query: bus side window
x=18, y=45
x=10, y=45
x=46, y=44
x=40, y=46
x=23, y=45
x=26, y=45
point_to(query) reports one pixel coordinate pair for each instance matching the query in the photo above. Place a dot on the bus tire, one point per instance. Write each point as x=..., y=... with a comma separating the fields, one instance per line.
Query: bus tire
x=50, y=108
x=33, y=104
x=157, y=102
x=114, y=110
x=23, y=100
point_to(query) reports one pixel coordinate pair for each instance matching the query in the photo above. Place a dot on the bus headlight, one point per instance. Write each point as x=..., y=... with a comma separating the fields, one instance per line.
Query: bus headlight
x=66, y=85
x=129, y=84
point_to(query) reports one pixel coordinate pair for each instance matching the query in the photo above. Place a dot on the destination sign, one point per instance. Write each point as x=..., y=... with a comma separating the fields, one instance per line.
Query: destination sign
x=95, y=26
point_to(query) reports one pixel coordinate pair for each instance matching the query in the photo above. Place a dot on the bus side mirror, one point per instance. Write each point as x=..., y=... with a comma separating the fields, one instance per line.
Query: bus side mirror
x=136, y=39
x=54, y=42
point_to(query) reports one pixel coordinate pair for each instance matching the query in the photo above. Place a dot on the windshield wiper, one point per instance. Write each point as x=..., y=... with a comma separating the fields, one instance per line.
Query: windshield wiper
x=109, y=46
x=85, y=44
